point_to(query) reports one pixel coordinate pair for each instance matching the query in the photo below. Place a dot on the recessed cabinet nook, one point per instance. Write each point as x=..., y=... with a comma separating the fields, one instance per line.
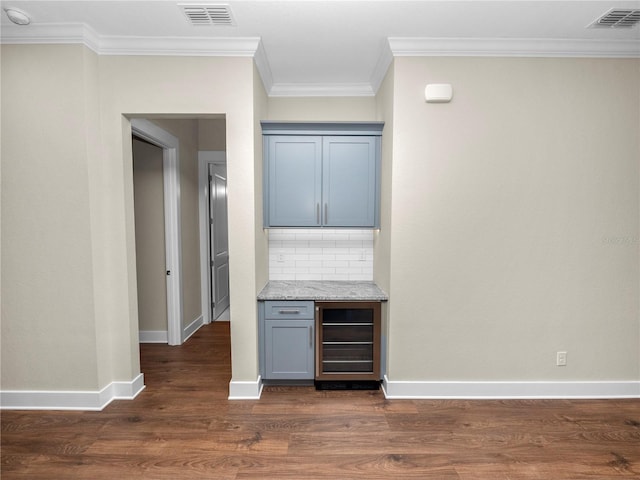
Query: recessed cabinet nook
x=327, y=333
x=324, y=174
x=321, y=174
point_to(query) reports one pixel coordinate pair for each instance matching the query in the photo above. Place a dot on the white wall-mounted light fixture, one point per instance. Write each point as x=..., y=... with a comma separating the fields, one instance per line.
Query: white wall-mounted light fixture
x=438, y=93
x=18, y=17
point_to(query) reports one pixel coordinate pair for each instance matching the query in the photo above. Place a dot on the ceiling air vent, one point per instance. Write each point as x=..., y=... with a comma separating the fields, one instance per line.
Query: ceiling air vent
x=618, y=18
x=208, y=14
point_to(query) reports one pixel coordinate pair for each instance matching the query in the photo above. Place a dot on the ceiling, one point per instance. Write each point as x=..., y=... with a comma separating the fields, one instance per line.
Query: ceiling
x=330, y=47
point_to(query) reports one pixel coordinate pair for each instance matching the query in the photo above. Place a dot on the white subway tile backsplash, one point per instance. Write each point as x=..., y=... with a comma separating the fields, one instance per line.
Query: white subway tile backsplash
x=336, y=251
x=322, y=243
x=348, y=243
x=306, y=276
x=360, y=277
x=310, y=251
x=360, y=235
x=305, y=237
x=308, y=264
x=320, y=254
x=339, y=237
x=322, y=270
x=281, y=234
x=336, y=276
x=335, y=263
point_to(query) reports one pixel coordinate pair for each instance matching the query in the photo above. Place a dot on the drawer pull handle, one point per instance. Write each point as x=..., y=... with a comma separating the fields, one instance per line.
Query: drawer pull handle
x=289, y=312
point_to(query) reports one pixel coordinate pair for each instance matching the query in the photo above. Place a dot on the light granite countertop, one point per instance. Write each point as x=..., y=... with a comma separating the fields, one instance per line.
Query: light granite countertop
x=322, y=290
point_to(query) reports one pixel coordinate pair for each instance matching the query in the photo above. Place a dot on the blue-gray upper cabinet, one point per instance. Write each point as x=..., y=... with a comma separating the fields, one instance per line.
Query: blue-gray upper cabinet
x=294, y=181
x=322, y=174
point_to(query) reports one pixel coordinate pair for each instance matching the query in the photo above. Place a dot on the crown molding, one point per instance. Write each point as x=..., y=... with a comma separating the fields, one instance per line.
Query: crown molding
x=179, y=46
x=252, y=47
x=381, y=68
x=512, y=47
x=262, y=64
x=51, y=33
x=129, y=45
x=321, y=90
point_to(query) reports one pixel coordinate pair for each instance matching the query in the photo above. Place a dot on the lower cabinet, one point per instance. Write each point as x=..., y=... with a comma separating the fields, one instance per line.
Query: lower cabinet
x=321, y=341
x=288, y=333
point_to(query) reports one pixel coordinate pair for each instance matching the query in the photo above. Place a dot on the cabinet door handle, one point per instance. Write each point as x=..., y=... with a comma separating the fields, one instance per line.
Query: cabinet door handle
x=310, y=337
x=318, y=213
x=289, y=312
x=326, y=214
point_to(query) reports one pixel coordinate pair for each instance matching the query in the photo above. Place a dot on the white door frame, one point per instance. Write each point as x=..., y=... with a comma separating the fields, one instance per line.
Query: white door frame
x=205, y=157
x=173, y=248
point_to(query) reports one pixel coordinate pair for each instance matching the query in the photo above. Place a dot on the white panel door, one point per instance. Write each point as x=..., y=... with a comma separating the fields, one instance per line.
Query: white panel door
x=218, y=239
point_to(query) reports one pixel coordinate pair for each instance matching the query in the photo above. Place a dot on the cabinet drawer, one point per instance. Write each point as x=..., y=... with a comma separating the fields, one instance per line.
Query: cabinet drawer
x=287, y=309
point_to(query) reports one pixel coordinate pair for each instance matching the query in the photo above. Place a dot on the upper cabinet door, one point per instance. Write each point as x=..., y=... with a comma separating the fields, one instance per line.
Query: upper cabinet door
x=321, y=174
x=349, y=181
x=294, y=185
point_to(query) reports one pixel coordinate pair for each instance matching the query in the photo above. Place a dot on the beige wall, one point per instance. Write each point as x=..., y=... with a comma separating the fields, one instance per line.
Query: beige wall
x=150, y=246
x=48, y=326
x=247, y=243
x=212, y=134
x=130, y=86
x=509, y=223
x=260, y=108
x=514, y=220
x=321, y=109
x=261, y=258
x=382, y=237
x=69, y=315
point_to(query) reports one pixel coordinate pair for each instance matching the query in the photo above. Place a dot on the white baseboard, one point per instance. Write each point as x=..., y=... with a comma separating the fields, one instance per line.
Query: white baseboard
x=162, y=336
x=192, y=328
x=250, y=390
x=71, y=400
x=153, y=336
x=507, y=390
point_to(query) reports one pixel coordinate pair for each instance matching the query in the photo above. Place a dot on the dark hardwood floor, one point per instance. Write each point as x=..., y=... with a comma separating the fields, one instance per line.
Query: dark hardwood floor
x=183, y=427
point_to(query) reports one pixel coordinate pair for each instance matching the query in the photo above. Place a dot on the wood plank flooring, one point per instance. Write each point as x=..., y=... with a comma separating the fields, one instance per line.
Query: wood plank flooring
x=183, y=427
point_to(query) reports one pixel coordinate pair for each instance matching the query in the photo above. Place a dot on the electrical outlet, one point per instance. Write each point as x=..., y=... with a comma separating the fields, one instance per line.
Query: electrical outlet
x=561, y=359
x=363, y=255
x=280, y=258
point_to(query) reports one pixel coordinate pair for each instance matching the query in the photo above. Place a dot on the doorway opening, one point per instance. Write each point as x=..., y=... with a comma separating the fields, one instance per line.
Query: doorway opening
x=196, y=260
x=214, y=267
x=150, y=241
x=172, y=272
